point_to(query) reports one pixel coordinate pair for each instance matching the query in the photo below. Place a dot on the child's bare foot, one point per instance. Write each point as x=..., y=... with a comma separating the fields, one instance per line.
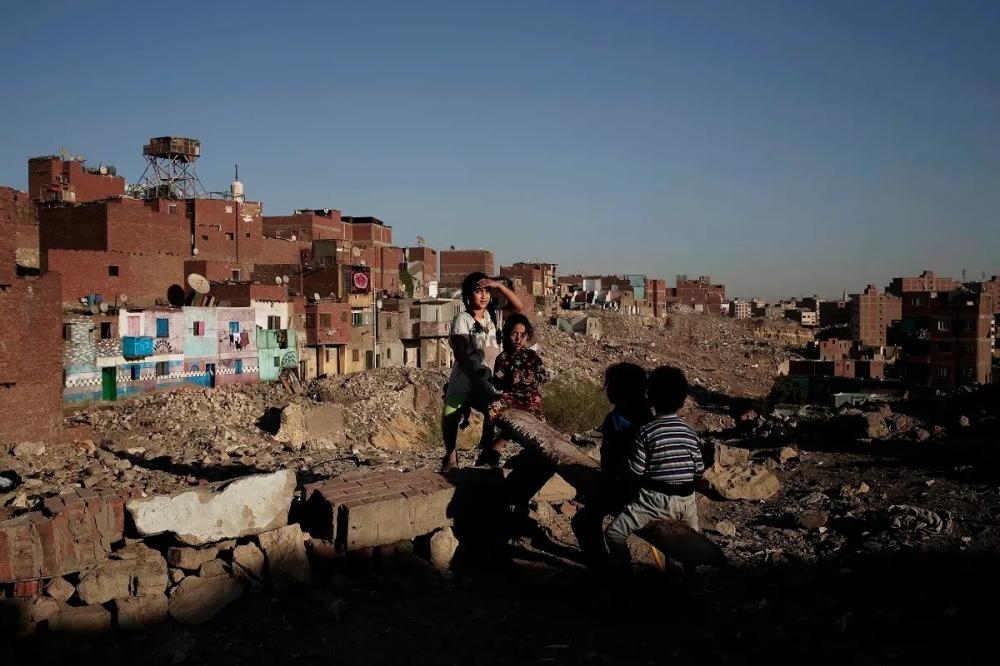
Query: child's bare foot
x=449, y=462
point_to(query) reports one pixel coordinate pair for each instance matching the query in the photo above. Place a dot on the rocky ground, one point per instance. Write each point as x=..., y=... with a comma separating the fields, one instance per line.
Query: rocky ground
x=879, y=544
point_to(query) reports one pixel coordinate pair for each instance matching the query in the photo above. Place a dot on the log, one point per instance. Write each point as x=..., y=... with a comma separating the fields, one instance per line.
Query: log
x=671, y=537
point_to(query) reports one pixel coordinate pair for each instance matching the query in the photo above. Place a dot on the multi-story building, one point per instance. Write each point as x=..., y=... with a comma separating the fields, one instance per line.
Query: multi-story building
x=422, y=267
x=871, y=315
x=700, y=295
x=456, y=264
x=946, y=338
x=740, y=309
x=835, y=313
x=69, y=180
x=539, y=278
x=924, y=283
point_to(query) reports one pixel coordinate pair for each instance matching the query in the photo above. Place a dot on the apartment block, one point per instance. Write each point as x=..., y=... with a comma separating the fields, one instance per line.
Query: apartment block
x=871, y=315
x=456, y=264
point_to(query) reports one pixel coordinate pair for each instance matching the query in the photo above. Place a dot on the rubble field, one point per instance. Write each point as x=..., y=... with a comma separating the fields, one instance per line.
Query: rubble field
x=853, y=536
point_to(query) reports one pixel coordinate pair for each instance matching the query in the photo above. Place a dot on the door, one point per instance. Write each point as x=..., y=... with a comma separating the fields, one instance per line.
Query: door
x=109, y=384
x=210, y=369
x=133, y=326
x=369, y=359
x=238, y=366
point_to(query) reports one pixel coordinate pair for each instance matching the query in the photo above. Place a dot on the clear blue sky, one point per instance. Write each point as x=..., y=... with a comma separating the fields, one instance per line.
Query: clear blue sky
x=782, y=147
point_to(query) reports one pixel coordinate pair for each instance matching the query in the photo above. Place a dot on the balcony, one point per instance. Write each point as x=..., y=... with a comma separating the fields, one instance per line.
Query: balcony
x=137, y=346
x=433, y=329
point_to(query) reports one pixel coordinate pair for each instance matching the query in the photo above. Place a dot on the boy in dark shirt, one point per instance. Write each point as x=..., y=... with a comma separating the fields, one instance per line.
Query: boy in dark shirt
x=625, y=386
x=664, y=461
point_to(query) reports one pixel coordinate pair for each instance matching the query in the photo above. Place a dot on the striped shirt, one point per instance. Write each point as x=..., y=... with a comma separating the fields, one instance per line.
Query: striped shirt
x=666, y=451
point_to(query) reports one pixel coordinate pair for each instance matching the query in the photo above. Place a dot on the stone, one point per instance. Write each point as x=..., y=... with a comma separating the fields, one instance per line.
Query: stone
x=285, y=552
x=123, y=578
x=60, y=589
x=556, y=490
x=787, y=453
x=812, y=520
x=27, y=449
x=568, y=509
x=326, y=422
x=726, y=528
x=248, y=563
x=44, y=608
x=875, y=426
x=400, y=434
x=134, y=613
x=729, y=456
x=176, y=576
x=190, y=559
x=227, y=510
x=543, y=513
x=213, y=568
x=92, y=619
x=197, y=600
x=747, y=482
x=443, y=547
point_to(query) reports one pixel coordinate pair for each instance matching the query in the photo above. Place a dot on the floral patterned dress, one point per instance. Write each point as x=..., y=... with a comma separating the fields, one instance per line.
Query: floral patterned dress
x=517, y=375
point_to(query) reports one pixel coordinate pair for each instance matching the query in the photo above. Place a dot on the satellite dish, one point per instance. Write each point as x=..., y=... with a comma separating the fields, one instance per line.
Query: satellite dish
x=294, y=238
x=195, y=252
x=378, y=304
x=356, y=251
x=103, y=308
x=277, y=279
x=198, y=283
x=316, y=297
x=284, y=279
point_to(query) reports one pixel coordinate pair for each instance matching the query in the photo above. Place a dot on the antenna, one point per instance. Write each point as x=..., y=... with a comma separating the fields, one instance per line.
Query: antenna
x=236, y=169
x=963, y=275
x=420, y=241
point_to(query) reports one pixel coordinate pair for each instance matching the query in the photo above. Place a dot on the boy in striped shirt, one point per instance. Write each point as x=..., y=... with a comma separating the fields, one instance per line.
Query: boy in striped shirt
x=665, y=460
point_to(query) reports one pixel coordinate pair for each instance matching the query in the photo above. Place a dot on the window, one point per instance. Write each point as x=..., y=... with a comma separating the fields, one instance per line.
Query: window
x=235, y=275
x=324, y=321
x=199, y=328
x=161, y=369
x=357, y=318
x=67, y=332
x=105, y=330
x=162, y=327
x=915, y=300
x=277, y=362
x=204, y=237
x=273, y=322
x=327, y=354
x=943, y=325
x=355, y=355
x=230, y=236
x=388, y=352
x=968, y=325
x=967, y=348
x=135, y=371
x=942, y=371
x=388, y=322
x=248, y=234
x=944, y=347
x=172, y=209
x=112, y=271
x=234, y=327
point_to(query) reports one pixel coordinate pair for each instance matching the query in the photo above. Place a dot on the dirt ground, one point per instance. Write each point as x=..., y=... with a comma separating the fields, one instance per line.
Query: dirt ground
x=880, y=547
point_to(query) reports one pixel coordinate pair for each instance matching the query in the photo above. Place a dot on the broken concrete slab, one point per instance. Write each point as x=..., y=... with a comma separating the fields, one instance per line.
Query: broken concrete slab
x=123, y=578
x=197, y=600
x=730, y=456
x=747, y=482
x=228, y=510
x=137, y=612
x=285, y=552
x=190, y=559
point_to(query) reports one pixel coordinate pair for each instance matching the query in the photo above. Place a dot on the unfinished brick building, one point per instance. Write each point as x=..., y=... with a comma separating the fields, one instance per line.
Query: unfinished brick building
x=871, y=315
x=30, y=342
x=539, y=278
x=22, y=222
x=700, y=295
x=925, y=282
x=456, y=264
x=57, y=179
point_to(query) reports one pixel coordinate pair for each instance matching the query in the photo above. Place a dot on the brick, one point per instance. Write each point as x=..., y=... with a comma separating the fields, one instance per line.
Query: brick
x=27, y=589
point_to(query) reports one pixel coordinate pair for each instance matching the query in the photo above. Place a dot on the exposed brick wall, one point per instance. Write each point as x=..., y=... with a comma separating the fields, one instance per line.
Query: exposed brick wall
x=144, y=278
x=30, y=358
x=328, y=323
x=19, y=227
x=367, y=231
x=307, y=225
x=456, y=264
x=73, y=227
x=125, y=225
x=275, y=251
x=50, y=178
x=240, y=295
x=73, y=531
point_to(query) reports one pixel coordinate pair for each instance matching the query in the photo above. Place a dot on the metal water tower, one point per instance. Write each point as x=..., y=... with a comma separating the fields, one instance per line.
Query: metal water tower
x=170, y=172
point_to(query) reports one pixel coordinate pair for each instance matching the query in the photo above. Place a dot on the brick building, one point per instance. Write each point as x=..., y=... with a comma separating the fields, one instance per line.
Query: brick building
x=871, y=315
x=539, y=279
x=456, y=264
x=30, y=344
x=328, y=326
x=422, y=266
x=52, y=178
x=23, y=220
x=367, y=231
x=834, y=313
x=740, y=309
x=307, y=225
x=925, y=282
x=946, y=338
x=658, y=297
x=700, y=294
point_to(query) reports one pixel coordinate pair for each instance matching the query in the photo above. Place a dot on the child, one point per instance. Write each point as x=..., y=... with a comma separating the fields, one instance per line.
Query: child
x=474, y=342
x=517, y=374
x=664, y=462
x=625, y=386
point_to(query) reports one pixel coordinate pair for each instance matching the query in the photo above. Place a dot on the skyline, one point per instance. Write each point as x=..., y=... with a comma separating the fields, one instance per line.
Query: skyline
x=781, y=149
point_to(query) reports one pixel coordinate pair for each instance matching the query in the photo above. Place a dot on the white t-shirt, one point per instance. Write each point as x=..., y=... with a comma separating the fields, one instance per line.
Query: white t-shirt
x=483, y=349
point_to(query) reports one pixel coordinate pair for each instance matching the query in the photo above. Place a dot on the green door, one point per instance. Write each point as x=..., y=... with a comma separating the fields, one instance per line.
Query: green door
x=109, y=383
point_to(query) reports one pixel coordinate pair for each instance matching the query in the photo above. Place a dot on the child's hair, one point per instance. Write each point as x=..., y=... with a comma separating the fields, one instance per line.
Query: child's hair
x=469, y=287
x=625, y=384
x=668, y=388
x=512, y=321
